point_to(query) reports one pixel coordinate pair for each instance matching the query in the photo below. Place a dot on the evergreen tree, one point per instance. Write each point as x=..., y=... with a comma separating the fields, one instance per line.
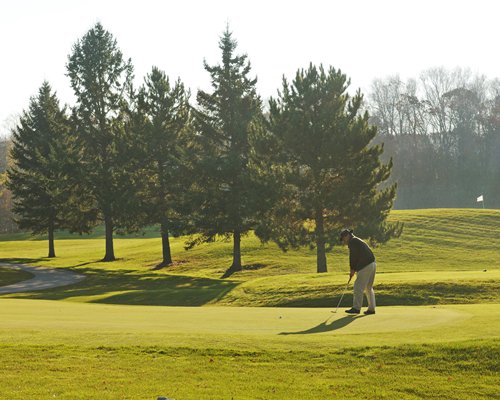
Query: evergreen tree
x=332, y=172
x=228, y=122
x=163, y=120
x=37, y=177
x=101, y=80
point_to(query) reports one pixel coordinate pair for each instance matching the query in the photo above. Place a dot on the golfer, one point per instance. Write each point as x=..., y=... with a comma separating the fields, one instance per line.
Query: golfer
x=362, y=262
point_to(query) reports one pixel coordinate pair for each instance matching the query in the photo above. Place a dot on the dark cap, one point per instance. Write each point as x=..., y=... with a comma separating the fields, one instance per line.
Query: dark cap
x=345, y=232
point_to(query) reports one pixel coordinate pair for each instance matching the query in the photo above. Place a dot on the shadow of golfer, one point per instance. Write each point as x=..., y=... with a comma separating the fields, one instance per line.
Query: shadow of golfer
x=327, y=327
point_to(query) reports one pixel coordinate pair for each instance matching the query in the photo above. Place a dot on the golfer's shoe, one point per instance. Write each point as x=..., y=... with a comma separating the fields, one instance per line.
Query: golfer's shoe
x=352, y=311
x=369, y=312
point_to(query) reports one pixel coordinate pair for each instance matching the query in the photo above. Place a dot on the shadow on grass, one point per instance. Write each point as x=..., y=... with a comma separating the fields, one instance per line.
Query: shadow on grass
x=19, y=260
x=153, y=288
x=132, y=288
x=326, y=326
x=250, y=267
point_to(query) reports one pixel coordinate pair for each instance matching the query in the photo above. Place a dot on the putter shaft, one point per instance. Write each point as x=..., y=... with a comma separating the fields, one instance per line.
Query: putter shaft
x=343, y=293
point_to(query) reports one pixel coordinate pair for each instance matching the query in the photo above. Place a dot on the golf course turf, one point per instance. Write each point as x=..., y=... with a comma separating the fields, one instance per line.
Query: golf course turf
x=267, y=332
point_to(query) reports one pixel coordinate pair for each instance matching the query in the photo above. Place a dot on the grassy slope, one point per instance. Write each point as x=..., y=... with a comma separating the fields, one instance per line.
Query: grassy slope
x=433, y=239
x=449, y=248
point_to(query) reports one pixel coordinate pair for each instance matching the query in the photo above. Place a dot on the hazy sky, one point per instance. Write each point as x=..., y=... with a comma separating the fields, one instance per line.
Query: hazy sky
x=367, y=39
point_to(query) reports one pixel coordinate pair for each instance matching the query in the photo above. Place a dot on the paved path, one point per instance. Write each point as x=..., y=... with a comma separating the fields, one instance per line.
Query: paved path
x=44, y=278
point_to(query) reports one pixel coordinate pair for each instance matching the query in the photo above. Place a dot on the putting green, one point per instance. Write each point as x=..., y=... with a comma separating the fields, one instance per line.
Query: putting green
x=42, y=321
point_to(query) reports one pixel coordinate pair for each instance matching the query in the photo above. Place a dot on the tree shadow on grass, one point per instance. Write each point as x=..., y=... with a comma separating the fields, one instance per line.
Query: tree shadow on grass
x=250, y=267
x=32, y=261
x=20, y=260
x=132, y=288
x=327, y=326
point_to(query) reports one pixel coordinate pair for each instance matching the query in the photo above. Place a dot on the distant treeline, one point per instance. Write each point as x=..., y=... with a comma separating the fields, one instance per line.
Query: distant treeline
x=443, y=134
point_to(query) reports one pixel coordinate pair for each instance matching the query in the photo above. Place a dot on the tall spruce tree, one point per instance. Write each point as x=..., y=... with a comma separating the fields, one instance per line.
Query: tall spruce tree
x=228, y=123
x=163, y=122
x=38, y=175
x=333, y=174
x=101, y=80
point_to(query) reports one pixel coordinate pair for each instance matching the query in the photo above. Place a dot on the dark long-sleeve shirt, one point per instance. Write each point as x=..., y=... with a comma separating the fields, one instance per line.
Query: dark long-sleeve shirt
x=360, y=255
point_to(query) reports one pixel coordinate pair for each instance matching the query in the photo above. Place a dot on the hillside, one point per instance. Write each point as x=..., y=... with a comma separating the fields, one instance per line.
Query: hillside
x=441, y=256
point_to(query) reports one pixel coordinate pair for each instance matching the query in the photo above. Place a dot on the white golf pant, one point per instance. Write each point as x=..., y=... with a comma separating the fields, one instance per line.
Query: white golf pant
x=364, y=283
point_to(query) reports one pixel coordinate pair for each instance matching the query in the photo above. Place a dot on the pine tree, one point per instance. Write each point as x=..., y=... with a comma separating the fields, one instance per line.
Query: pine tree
x=101, y=80
x=333, y=175
x=163, y=120
x=38, y=175
x=228, y=122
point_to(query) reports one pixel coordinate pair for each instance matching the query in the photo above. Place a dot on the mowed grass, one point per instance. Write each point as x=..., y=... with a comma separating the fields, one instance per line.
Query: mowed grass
x=452, y=371
x=43, y=322
x=116, y=334
x=433, y=240
x=91, y=351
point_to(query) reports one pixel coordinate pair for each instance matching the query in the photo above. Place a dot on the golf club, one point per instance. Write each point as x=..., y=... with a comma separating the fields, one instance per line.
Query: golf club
x=343, y=293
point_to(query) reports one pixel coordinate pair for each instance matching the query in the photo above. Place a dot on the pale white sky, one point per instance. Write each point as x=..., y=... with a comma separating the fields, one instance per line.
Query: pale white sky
x=367, y=39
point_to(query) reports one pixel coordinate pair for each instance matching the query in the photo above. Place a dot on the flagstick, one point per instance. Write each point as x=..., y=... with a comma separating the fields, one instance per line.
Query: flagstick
x=481, y=199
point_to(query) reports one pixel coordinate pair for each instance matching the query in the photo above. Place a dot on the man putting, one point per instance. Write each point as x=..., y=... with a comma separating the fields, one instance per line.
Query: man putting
x=362, y=262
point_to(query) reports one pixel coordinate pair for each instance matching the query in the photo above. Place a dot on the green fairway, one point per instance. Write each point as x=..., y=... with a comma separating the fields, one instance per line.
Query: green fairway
x=238, y=326
x=87, y=351
x=268, y=332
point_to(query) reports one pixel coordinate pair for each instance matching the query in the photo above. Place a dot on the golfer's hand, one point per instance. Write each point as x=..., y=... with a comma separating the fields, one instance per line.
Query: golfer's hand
x=351, y=274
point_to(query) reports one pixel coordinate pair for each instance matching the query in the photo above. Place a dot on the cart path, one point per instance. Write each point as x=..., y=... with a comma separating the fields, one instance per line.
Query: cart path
x=44, y=278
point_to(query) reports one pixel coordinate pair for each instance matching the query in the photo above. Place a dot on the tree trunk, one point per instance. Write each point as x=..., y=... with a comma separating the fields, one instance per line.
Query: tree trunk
x=167, y=256
x=236, y=266
x=320, y=243
x=52, y=251
x=110, y=253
